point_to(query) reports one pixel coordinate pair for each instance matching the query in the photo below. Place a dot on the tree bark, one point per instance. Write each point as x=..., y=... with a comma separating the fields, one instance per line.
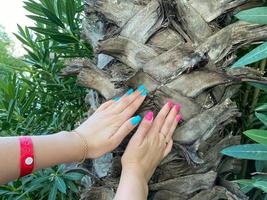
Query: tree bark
x=180, y=49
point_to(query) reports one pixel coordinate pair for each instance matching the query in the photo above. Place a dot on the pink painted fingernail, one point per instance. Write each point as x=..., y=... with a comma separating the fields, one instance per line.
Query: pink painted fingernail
x=149, y=116
x=177, y=107
x=170, y=103
x=179, y=118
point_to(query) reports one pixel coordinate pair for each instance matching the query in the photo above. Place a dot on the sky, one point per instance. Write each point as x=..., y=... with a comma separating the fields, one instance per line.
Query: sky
x=11, y=14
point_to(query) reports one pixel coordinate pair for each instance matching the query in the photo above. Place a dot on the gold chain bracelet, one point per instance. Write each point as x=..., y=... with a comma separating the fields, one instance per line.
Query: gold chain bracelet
x=85, y=145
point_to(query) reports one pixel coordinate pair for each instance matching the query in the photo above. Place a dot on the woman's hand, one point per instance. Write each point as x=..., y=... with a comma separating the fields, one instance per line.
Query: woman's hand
x=151, y=142
x=111, y=122
x=148, y=146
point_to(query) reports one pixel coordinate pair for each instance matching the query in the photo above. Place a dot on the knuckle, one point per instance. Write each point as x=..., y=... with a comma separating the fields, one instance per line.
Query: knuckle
x=129, y=127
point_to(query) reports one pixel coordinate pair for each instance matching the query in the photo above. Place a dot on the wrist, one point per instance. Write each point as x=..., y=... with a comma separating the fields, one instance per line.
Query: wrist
x=135, y=178
x=74, y=144
x=136, y=173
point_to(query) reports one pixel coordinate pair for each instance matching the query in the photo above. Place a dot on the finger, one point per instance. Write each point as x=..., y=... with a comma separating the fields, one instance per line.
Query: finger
x=168, y=148
x=178, y=118
x=105, y=105
x=162, y=115
x=143, y=129
x=133, y=107
x=125, y=129
x=127, y=99
x=170, y=119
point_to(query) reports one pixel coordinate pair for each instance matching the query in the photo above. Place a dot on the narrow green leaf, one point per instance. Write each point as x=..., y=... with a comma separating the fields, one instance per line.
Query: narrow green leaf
x=261, y=185
x=262, y=107
x=11, y=109
x=61, y=186
x=40, y=19
x=254, y=15
x=259, y=86
x=63, y=38
x=74, y=176
x=257, y=135
x=59, y=8
x=247, y=151
x=53, y=17
x=262, y=118
x=44, y=31
x=246, y=185
x=255, y=55
x=33, y=7
x=21, y=39
x=70, y=10
x=72, y=187
x=53, y=192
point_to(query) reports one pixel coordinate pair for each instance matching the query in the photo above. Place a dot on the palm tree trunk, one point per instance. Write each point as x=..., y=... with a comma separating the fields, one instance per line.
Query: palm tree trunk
x=180, y=49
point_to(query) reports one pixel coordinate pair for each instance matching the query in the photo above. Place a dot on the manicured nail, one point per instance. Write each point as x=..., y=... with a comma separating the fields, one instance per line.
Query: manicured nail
x=141, y=88
x=144, y=93
x=135, y=120
x=179, y=118
x=130, y=91
x=116, y=98
x=170, y=103
x=149, y=116
x=177, y=107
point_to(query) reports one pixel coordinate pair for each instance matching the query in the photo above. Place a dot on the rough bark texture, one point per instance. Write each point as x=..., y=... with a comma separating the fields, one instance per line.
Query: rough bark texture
x=180, y=49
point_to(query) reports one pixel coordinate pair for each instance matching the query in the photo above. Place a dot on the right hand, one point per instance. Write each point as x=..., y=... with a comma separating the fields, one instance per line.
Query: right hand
x=151, y=143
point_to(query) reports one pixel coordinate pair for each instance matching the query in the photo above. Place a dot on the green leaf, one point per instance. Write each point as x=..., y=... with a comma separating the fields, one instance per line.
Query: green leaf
x=59, y=8
x=262, y=118
x=247, y=151
x=50, y=15
x=257, y=135
x=63, y=38
x=53, y=192
x=70, y=10
x=74, y=176
x=61, y=186
x=40, y=19
x=261, y=185
x=254, y=15
x=246, y=185
x=11, y=109
x=255, y=55
x=44, y=31
x=259, y=86
x=33, y=7
x=261, y=165
x=262, y=107
x=72, y=187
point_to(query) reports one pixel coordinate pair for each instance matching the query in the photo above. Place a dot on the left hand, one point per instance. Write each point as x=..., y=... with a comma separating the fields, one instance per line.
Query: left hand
x=112, y=122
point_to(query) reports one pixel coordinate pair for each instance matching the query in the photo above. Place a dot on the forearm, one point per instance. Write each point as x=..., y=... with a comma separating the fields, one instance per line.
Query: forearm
x=49, y=150
x=133, y=184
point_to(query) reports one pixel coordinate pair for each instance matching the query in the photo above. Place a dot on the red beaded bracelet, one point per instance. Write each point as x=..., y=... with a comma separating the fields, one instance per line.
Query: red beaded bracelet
x=26, y=156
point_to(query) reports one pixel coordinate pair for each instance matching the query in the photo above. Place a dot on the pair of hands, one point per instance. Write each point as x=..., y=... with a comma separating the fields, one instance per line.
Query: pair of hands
x=113, y=121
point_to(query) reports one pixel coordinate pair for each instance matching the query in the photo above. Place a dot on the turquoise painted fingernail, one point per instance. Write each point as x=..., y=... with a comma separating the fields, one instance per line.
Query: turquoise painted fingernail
x=144, y=93
x=135, y=120
x=130, y=91
x=116, y=98
x=141, y=88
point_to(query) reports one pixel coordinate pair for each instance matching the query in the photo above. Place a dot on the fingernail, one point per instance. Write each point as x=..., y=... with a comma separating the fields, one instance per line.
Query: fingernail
x=135, y=120
x=116, y=98
x=149, y=116
x=144, y=93
x=179, y=118
x=130, y=91
x=170, y=103
x=141, y=88
x=177, y=107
